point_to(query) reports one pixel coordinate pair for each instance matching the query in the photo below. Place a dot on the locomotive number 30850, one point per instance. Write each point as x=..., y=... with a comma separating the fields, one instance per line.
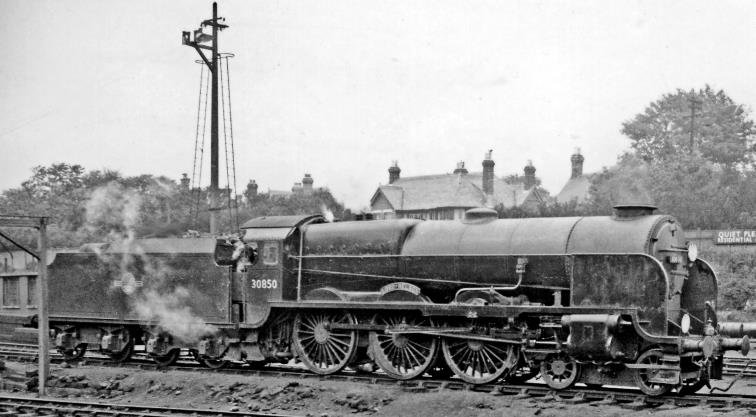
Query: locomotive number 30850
x=264, y=283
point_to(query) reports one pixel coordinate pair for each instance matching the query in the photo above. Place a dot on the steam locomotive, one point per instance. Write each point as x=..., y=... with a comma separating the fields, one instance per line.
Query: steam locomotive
x=619, y=300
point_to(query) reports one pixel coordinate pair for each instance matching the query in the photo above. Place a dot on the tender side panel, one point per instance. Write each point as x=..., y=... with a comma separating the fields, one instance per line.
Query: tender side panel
x=623, y=281
x=130, y=287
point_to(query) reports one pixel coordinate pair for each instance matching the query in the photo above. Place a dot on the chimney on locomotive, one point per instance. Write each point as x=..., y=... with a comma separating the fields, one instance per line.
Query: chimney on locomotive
x=577, y=163
x=488, y=173
x=530, y=178
x=394, y=172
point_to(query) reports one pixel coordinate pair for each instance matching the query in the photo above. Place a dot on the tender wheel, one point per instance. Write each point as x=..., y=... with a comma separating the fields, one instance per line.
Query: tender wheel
x=324, y=351
x=478, y=362
x=642, y=376
x=168, y=359
x=559, y=371
x=75, y=354
x=403, y=356
x=124, y=354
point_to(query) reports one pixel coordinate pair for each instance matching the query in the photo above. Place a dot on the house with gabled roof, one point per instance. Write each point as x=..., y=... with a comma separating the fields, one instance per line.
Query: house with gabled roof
x=448, y=196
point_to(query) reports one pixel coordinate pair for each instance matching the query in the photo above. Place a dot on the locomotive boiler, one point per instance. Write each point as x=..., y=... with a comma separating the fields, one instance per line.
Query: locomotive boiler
x=619, y=300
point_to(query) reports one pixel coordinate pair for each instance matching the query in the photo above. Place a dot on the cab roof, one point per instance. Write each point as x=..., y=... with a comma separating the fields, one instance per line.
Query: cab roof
x=282, y=221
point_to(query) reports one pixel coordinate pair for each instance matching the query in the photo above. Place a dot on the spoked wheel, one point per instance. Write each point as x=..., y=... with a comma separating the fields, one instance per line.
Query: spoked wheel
x=322, y=350
x=75, y=354
x=403, y=356
x=168, y=359
x=479, y=362
x=124, y=354
x=209, y=362
x=559, y=371
x=642, y=377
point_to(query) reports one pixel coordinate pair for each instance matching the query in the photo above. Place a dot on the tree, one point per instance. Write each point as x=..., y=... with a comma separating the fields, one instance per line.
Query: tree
x=722, y=130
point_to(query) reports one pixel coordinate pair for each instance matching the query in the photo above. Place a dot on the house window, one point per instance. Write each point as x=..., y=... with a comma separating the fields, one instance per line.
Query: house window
x=31, y=291
x=10, y=292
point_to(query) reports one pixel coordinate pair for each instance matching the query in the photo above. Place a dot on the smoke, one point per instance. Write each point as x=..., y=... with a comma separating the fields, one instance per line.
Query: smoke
x=327, y=213
x=172, y=314
x=147, y=280
x=113, y=209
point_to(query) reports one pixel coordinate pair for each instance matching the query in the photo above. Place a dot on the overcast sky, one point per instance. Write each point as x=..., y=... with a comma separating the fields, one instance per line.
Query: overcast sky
x=339, y=89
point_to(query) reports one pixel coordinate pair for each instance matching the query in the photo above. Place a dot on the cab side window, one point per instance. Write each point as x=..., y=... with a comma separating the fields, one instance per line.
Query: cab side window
x=270, y=253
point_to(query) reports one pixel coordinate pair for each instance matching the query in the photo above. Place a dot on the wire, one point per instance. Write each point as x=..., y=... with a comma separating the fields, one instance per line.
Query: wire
x=233, y=151
x=193, y=182
x=202, y=153
x=225, y=147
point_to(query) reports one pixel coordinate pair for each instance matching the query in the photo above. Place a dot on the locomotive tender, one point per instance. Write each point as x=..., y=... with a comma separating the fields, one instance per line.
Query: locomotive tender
x=619, y=300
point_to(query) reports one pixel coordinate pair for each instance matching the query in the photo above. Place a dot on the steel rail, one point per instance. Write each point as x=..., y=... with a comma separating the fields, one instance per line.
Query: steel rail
x=20, y=404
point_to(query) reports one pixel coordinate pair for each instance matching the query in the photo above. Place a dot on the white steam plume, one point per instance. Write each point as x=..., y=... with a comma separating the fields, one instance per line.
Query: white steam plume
x=172, y=314
x=327, y=213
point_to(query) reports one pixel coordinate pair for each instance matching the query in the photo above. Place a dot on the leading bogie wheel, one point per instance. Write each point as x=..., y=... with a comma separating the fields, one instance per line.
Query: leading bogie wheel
x=559, y=371
x=322, y=349
x=479, y=362
x=402, y=355
x=642, y=377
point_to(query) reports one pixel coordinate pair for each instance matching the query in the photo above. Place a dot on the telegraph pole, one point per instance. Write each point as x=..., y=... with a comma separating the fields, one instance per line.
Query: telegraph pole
x=43, y=326
x=199, y=43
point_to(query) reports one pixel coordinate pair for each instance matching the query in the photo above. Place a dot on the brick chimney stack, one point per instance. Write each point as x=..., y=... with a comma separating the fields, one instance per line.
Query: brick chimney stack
x=252, y=189
x=460, y=168
x=577, y=163
x=488, y=173
x=307, y=184
x=530, y=178
x=185, y=181
x=394, y=172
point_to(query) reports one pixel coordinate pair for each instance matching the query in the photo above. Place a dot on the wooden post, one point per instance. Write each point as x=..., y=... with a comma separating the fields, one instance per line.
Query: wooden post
x=42, y=323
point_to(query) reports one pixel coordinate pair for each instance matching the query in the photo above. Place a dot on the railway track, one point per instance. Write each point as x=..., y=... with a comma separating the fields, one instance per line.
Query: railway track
x=734, y=366
x=622, y=396
x=12, y=405
x=26, y=352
